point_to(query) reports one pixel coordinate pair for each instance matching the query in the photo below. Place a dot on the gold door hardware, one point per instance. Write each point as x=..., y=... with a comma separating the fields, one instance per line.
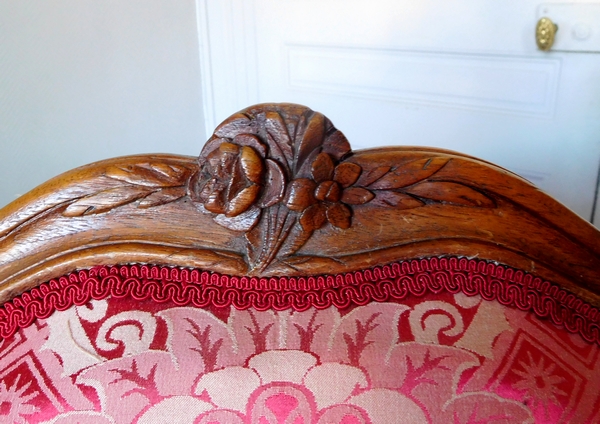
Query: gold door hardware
x=544, y=33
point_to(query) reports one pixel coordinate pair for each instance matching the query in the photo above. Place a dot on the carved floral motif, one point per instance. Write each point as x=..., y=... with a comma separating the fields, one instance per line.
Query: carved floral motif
x=277, y=173
x=325, y=197
x=236, y=180
x=271, y=172
x=280, y=172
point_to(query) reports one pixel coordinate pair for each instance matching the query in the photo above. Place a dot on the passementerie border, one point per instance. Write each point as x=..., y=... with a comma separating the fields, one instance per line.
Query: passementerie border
x=392, y=282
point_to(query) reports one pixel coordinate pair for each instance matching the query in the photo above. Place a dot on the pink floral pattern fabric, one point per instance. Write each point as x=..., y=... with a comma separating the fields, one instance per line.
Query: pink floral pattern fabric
x=443, y=359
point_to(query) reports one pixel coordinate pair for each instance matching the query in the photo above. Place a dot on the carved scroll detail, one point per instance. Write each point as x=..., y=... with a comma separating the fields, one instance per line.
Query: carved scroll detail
x=280, y=172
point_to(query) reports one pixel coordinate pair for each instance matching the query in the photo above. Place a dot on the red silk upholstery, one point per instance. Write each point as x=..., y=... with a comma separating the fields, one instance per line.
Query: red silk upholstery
x=434, y=340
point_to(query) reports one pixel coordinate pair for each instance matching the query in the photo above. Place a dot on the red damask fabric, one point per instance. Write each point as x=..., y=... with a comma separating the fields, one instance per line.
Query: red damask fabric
x=121, y=357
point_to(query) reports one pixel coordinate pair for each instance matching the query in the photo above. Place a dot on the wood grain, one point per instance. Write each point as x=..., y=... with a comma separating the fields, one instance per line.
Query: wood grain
x=277, y=191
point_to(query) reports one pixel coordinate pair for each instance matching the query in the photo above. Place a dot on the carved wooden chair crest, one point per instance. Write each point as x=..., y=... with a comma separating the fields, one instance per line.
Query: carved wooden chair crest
x=283, y=278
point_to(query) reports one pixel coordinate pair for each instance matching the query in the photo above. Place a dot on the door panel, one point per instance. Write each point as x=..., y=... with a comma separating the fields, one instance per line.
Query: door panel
x=508, y=84
x=463, y=75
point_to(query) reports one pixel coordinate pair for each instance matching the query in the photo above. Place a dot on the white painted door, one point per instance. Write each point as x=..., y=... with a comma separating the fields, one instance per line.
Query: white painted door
x=463, y=75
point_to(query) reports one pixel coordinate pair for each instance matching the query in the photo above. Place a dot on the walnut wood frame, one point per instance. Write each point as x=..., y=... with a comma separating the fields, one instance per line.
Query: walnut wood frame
x=277, y=192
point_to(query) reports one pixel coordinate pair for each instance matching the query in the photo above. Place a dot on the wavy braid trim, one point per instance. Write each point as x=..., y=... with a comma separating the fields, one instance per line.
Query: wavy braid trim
x=393, y=282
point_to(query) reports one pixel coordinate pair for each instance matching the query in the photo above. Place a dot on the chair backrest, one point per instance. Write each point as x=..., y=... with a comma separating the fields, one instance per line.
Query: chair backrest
x=318, y=282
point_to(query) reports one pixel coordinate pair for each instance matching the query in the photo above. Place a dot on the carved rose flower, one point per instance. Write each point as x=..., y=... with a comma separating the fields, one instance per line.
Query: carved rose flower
x=325, y=197
x=235, y=179
x=234, y=175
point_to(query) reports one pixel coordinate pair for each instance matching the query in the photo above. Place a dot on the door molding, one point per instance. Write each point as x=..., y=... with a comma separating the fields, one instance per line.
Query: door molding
x=228, y=62
x=596, y=207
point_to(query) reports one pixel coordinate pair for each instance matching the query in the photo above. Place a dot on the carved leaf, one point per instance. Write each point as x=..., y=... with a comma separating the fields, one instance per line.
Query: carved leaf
x=357, y=196
x=453, y=193
x=169, y=171
x=312, y=138
x=305, y=171
x=396, y=200
x=409, y=173
x=336, y=145
x=277, y=154
x=274, y=188
x=162, y=196
x=369, y=177
x=276, y=128
x=234, y=125
x=105, y=200
x=254, y=241
x=295, y=240
x=266, y=238
x=155, y=175
x=242, y=222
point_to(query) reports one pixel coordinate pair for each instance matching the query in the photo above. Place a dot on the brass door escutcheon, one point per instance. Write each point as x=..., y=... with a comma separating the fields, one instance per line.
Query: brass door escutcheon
x=545, y=31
